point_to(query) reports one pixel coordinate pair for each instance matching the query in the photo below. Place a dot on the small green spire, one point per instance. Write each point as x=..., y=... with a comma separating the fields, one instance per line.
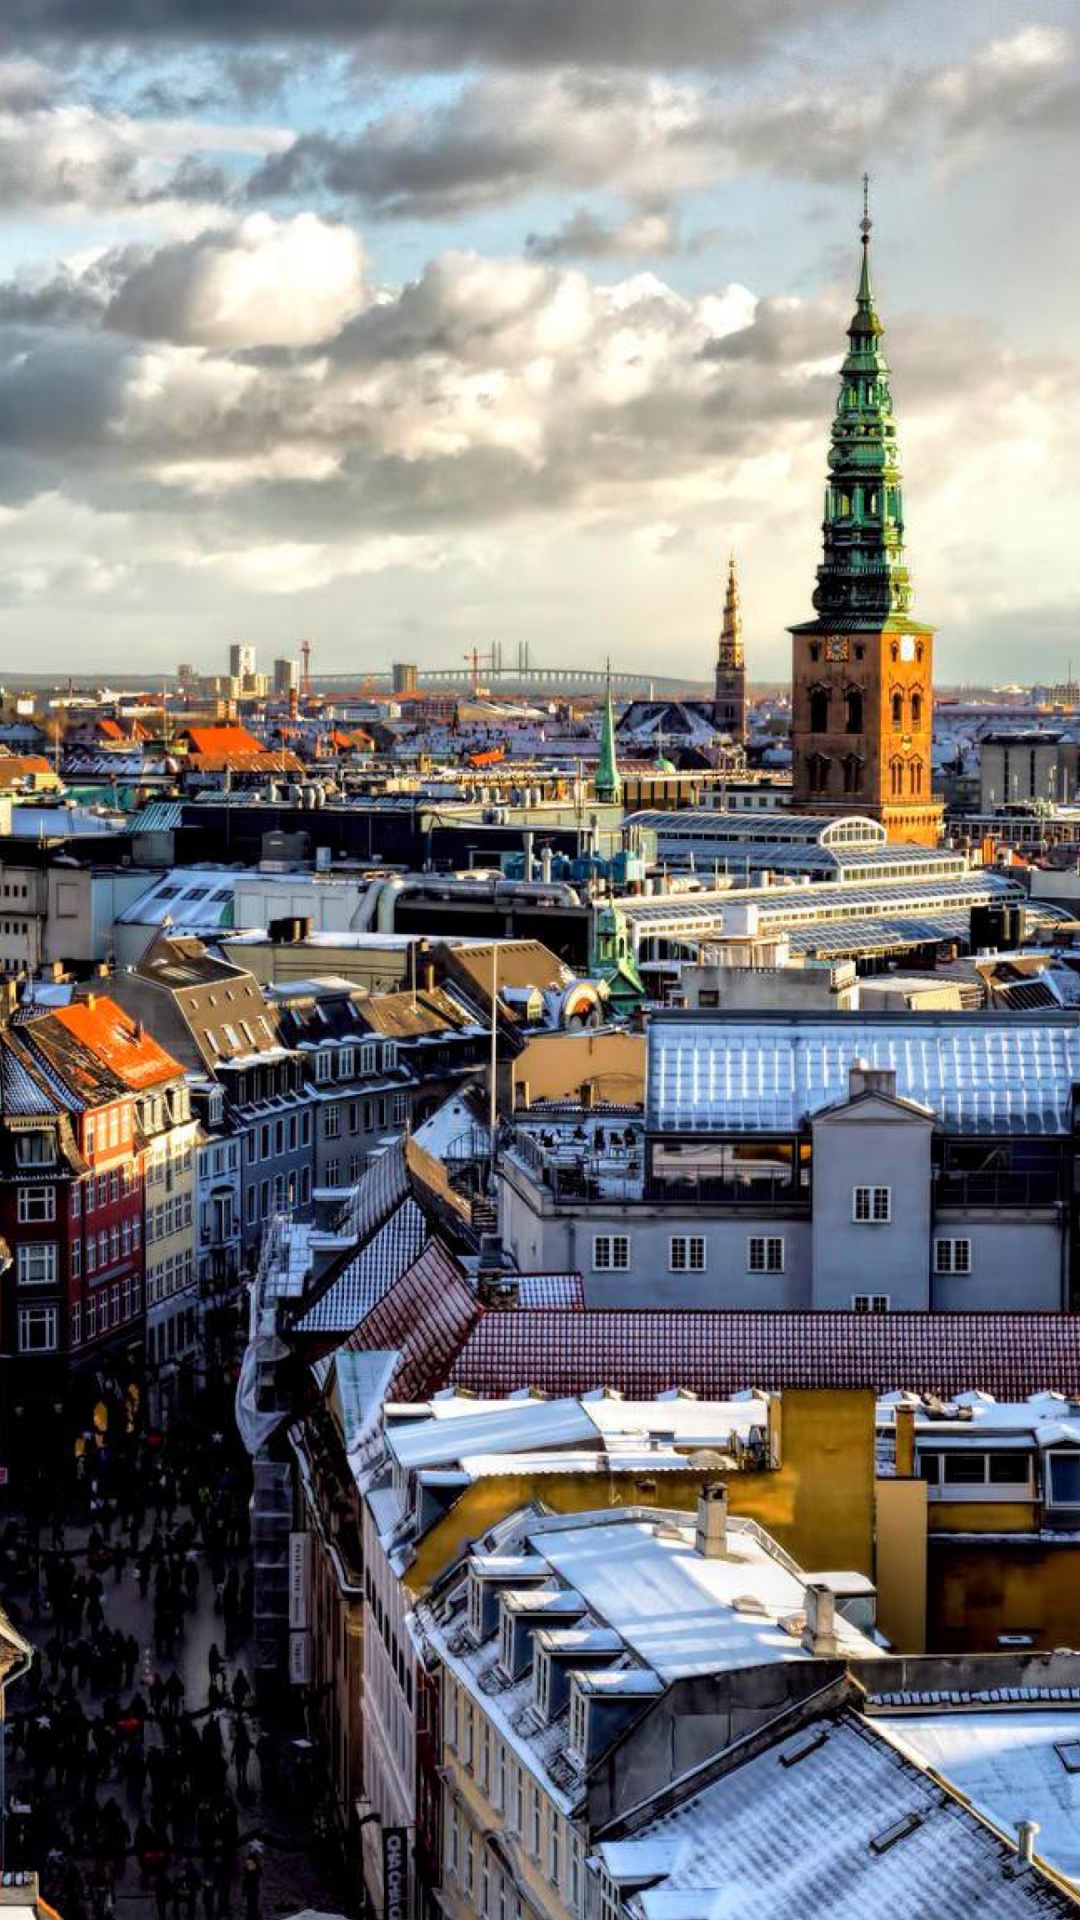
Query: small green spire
x=863, y=578
x=607, y=785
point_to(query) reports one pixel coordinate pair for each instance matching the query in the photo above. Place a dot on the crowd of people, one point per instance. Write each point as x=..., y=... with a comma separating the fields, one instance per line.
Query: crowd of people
x=128, y=1772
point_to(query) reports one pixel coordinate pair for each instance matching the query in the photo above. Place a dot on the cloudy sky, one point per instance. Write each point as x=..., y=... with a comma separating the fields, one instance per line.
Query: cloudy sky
x=450, y=321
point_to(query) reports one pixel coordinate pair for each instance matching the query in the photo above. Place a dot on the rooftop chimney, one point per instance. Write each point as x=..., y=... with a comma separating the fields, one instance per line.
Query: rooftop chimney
x=710, y=1540
x=863, y=1078
x=1025, y=1841
x=819, y=1633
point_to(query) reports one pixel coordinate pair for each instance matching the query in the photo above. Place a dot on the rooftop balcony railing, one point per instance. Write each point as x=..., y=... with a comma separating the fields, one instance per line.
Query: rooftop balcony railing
x=1000, y=1188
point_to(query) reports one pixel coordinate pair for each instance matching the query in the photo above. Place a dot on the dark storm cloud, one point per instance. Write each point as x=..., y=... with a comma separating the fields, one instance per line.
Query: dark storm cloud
x=448, y=32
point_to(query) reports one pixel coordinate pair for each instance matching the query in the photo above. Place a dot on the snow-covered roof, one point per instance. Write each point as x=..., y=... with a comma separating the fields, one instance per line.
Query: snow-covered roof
x=832, y=1821
x=1012, y=1766
x=684, y=1614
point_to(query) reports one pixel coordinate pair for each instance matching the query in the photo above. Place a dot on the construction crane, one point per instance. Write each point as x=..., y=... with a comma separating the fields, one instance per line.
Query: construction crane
x=305, y=671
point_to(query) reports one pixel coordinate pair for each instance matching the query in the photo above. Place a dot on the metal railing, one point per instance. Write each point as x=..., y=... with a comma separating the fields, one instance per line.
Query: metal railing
x=1001, y=1188
x=762, y=1194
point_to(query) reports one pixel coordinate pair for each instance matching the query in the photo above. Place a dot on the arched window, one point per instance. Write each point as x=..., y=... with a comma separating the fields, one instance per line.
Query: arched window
x=898, y=709
x=896, y=778
x=895, y=651
x=853, y=772
x=915, y=777
x=817, y=767
x=916, y=708
x=853, y=710
x=819, y=709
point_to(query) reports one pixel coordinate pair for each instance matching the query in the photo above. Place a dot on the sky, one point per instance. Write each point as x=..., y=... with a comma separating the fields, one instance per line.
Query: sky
x=409, y=326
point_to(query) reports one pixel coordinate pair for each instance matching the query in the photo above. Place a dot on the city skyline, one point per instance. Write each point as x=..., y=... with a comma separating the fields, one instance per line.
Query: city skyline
x=416, y=333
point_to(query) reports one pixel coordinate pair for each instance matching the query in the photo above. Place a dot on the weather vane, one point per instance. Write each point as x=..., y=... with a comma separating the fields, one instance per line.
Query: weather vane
x=865, y=223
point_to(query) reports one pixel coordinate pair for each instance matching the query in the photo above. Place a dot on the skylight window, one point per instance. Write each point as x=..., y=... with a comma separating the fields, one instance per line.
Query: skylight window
x=900, y=1830
x=1068, y=1752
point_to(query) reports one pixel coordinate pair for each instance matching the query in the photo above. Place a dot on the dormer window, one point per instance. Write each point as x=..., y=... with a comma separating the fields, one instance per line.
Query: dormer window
x=323, y=1065
x=542, y=1682
x=346, y=1062
x=390, y=1056
x=368, y=1057
x=35, y=1149
x=579, y=1723
x=506, y=1643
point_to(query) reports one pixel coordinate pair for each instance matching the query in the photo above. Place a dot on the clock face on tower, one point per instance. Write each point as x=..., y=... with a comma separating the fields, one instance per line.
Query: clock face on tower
x=907, y=646
x=836, y=648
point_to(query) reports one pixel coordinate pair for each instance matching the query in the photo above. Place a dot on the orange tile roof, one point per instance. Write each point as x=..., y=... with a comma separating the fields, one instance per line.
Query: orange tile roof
x=110, y=729
x=118, y=1042
x=222, y=740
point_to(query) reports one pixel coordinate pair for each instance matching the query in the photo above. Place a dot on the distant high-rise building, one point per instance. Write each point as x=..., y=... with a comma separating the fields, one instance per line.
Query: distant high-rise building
x=241, y=661
x=403, y=676
x=862, y=672
x=730, y=691
x=286, y=677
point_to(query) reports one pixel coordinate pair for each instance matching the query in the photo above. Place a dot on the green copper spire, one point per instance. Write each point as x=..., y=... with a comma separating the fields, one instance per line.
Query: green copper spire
x=607, y=785
x=863, y=578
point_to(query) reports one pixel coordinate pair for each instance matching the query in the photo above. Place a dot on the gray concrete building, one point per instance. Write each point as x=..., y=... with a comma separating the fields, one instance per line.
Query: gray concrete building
x=869, y=1163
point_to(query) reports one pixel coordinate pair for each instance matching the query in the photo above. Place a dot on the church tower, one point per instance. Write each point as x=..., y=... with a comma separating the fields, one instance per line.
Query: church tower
x=862, y=671
x=729, y=702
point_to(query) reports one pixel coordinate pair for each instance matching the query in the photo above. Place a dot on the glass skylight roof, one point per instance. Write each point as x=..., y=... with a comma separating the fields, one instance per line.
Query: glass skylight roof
x=976, y=1073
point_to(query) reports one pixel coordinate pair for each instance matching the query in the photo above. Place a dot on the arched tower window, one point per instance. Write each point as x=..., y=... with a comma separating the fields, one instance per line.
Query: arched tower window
x=896, y=778
x=853, y=710
x=898, y=710
x=915, y=777
x=817, y=768
x=853, y=772
x=916, y=708
x=819, y=709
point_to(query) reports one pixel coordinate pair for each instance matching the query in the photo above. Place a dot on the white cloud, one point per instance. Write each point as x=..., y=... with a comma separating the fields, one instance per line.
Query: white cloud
x=261, y=283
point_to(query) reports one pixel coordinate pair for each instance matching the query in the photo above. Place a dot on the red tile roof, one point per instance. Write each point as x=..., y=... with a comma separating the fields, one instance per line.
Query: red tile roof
x=563, y=1352
x=118, y=1042
x=219, y=740
x=427, y=1314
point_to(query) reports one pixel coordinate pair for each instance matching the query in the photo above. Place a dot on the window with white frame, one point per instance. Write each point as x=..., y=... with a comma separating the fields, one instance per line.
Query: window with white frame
x=869, y=1303
x=36, y=1264
x=368, y=1056
x=35, y=1149
x=324, y=1066
x=952, y=1256
x=333, y=1121
x=871, y=1206
x=611, y=1253
x=389, y=1056
x=346, y=1061
x=36, y=1203
x=401, y=1109
x=37, y=1329
x=686, y=1253
x=765, y=1253
x=576, y=1862
x=536, y=1824
x=554, y=1851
